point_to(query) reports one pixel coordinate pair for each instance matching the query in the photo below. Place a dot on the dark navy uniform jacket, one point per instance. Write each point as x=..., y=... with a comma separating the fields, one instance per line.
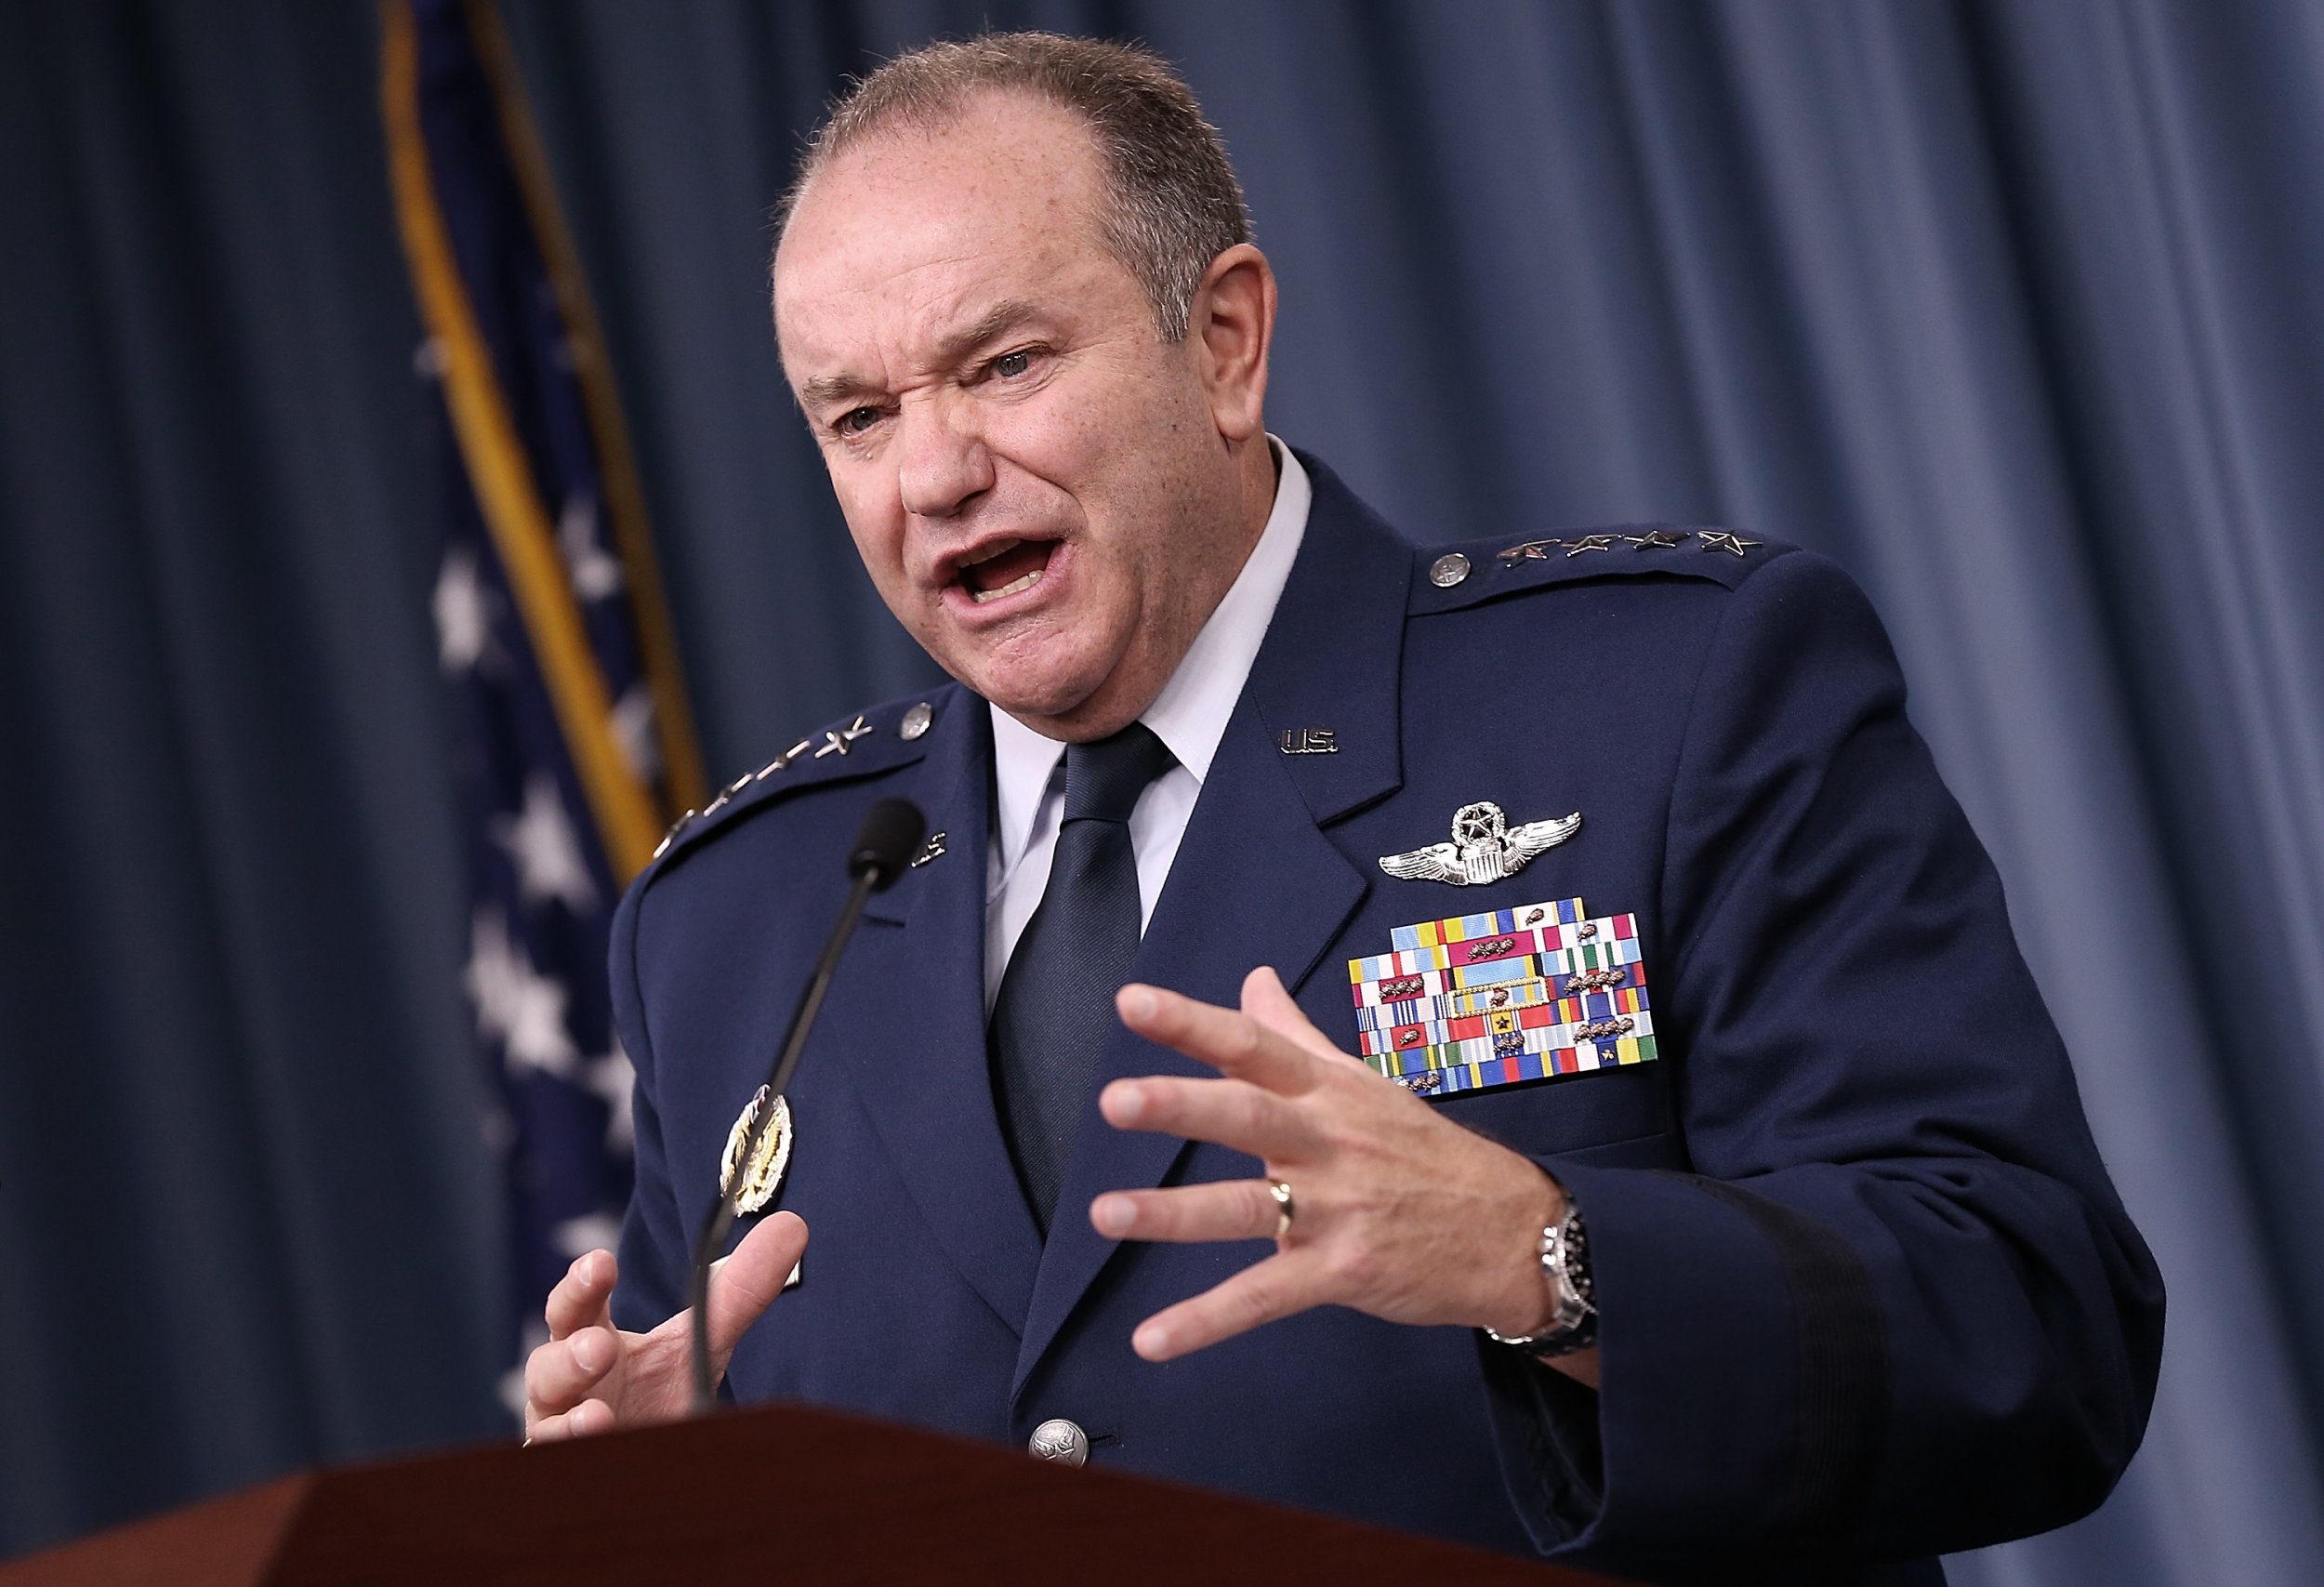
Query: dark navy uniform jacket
x=1866, y=1293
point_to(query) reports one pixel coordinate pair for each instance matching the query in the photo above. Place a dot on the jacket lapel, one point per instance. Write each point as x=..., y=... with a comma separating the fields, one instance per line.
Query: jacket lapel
x=1256, y=881
x=929, y=1097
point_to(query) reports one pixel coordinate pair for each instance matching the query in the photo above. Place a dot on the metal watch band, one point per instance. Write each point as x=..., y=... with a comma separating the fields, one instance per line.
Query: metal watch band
x=1565, y=1263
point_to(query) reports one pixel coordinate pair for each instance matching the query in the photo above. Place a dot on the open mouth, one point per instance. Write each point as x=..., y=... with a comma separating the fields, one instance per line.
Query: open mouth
x=1004, y=568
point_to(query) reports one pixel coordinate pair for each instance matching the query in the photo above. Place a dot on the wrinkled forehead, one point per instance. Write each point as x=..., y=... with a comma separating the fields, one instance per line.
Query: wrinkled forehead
x=911, y=227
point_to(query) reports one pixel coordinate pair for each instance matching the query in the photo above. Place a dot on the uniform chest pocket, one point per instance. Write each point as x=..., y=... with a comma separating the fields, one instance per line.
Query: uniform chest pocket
x=1559, y=1116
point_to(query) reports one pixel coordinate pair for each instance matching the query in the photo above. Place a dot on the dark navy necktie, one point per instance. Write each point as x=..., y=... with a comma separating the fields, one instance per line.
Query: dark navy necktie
x=1056, y=1005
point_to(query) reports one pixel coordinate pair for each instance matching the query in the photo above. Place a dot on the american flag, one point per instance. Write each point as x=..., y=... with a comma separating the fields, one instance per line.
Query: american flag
x=572, y=744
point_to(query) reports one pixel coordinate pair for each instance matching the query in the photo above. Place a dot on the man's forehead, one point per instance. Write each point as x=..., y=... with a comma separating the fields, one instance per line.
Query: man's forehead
x=936, y=239
x=884, y=306
x=1002, y=163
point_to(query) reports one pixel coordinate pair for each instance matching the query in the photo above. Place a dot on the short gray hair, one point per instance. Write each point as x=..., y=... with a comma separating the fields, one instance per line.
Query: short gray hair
x=1171, y=204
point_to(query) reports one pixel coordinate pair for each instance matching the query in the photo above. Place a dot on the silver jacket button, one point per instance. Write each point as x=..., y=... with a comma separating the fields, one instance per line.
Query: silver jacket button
x=1448, y=570
x=916, y=721
x=1058, y=1439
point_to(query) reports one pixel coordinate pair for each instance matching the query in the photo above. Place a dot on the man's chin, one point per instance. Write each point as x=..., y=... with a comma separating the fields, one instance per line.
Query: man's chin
x=1068, y=708
x=1028, y=693
x=1059, y=690
x=1043, y=712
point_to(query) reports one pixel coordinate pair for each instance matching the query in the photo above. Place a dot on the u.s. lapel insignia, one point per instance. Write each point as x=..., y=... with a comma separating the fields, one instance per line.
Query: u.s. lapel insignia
x=1484, y=848
x=1491, y=999
x=764, y=1175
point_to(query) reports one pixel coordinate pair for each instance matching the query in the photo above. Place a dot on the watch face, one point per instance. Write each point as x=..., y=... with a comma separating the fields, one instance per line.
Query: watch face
x=1565, y=1268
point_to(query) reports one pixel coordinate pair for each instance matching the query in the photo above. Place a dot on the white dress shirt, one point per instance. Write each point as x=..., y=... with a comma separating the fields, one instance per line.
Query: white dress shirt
x=1190, y=718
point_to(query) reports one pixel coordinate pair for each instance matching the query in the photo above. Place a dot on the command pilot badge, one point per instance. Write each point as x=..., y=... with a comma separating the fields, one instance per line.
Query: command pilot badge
x=1484, y=847
x=1507, y=996
x=765, y=1172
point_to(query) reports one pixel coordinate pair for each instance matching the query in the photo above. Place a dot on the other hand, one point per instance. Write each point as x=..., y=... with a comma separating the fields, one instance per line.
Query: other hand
x=1398, y=1211
x=592, y=1376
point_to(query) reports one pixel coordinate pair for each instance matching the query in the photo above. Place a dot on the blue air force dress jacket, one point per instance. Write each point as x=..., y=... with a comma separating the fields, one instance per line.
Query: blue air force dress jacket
x=1867, y=1294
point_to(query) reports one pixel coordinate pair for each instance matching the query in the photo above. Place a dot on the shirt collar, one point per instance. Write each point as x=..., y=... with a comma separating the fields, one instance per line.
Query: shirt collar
x=1190, y=716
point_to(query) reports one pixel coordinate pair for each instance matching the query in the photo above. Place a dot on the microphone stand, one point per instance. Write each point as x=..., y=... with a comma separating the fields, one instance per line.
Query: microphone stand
x=877, y=862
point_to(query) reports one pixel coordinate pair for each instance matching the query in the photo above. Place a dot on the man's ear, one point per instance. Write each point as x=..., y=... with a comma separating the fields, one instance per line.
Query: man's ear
x=1231, y=325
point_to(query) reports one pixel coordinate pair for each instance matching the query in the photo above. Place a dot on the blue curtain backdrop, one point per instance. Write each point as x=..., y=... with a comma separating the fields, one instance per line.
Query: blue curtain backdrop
x=2014, y=308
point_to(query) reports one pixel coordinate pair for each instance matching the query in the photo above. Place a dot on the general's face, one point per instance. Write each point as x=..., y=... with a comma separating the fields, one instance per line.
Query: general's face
x=1038, y=483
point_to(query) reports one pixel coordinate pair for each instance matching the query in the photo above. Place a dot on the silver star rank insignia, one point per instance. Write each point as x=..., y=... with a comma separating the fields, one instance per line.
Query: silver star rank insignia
x=840, y=743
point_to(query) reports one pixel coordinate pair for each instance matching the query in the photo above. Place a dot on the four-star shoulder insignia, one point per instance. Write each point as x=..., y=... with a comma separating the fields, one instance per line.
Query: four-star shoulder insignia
x=911, y=724
x=1652, y=540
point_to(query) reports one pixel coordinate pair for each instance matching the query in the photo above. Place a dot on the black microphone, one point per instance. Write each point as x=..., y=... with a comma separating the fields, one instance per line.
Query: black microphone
x=884, y=846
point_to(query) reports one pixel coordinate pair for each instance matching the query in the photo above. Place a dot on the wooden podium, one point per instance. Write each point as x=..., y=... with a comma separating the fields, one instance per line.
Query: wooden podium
x=777, y=1495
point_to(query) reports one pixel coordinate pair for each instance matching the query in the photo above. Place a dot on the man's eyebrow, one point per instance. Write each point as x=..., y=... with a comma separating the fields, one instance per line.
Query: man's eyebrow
x=824, y=389
x=998, y=321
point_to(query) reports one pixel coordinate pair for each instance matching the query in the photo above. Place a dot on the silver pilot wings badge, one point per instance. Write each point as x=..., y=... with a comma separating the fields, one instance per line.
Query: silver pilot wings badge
x=1484, y=847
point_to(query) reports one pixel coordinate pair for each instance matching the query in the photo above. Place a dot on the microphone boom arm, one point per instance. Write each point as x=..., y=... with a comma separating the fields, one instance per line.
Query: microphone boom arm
x=890, y=835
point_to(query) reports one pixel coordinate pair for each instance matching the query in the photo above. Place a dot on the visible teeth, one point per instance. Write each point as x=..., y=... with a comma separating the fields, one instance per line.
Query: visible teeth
x=989, y=552
x=1027, y=582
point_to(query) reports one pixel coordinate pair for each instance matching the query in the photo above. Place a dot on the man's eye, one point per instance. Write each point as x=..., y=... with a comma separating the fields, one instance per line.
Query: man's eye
x=857, y=420
x=1008, y=366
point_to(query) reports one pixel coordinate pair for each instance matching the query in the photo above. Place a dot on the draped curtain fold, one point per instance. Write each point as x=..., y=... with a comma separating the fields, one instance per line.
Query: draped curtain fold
x=2009, y=308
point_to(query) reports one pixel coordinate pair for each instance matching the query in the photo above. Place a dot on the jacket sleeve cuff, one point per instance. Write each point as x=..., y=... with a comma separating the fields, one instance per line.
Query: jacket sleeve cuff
x=1740, y=1357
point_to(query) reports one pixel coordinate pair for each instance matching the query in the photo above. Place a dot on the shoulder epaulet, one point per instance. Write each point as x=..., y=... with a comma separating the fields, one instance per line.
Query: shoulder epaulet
x=1447, y=578
x=877, y=740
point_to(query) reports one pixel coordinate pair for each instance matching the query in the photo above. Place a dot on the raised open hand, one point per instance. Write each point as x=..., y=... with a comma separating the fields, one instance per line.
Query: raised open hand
x=592, y=1376
x=1400, y=1212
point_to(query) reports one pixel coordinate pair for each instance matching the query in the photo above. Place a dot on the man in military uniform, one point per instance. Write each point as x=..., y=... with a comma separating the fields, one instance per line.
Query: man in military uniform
x=1710, y=1197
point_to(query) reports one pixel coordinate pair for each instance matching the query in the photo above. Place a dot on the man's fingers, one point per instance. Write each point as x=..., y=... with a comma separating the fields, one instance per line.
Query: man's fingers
x=1265, y=1001
x=588, y=1417
x=1230, y=1209
x=1289, y=1282
x=1228, y=1113
x=1232, y=1043
x=583, y=1297
x=747, y=1283
x=558, y=1374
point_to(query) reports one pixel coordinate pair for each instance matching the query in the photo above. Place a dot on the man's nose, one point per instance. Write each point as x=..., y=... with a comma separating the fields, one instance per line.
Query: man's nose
x=945, y=464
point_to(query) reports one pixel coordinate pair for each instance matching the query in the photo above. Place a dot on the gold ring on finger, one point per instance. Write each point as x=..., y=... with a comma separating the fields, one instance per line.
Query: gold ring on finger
x=1285, y=1207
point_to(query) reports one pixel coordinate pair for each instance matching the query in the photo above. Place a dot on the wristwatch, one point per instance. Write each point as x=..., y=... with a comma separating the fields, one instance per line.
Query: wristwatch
x=1565, y=1263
